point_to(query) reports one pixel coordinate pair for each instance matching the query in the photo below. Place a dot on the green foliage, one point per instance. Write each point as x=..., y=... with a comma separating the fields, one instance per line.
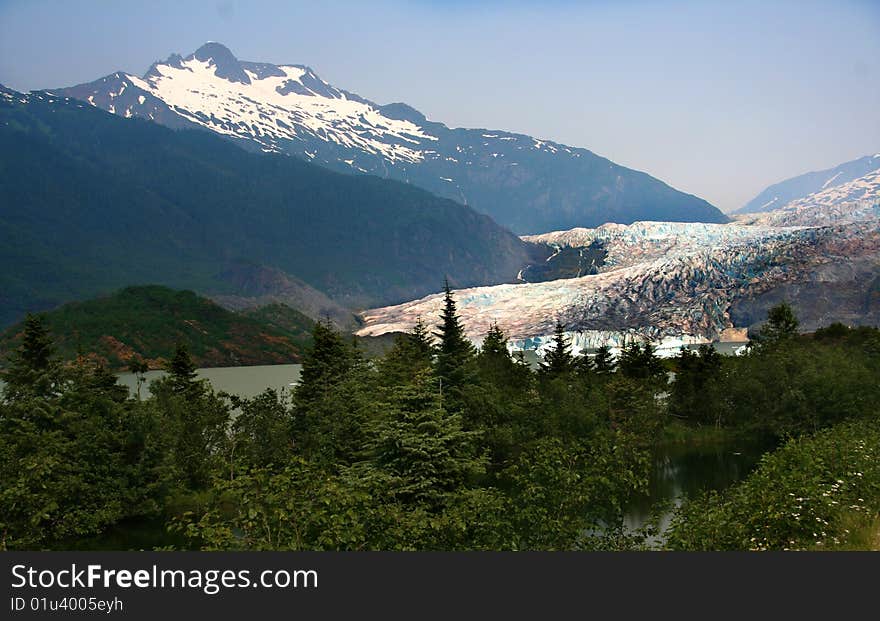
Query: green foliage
x=262, y=433
x=146, y=323
x=694, y=392
x=295, y=507
x=804, y=495
x=33, y=368
x=334, y=399
x=374, y=455
x=454, y=363
x=75, y=461
x=782, y=324
x=640, y=361
x=325, y=364
x=562, y=492
x=419, y=450
x=558, y=361
x=785, y=386
x=411, y=355
x=195, y=420
x=603, y=362
x=791, y=388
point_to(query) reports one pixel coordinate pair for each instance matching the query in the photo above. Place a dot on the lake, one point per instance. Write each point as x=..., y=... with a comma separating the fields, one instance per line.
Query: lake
x=681, y=470
x=241, y=381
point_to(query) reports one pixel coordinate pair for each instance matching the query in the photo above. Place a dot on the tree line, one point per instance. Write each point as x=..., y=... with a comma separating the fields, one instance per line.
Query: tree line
x=437, y=445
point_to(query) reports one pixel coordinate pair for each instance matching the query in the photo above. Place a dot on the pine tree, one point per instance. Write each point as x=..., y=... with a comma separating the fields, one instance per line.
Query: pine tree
x=421, y=339
x=325, y=364
x=496, y=364
x=33, y=368
x=420, y=448
x=558, y=360
x=689, y=396
x=639, y=361
x=455, y=353
x=603, y=361
x=411, y=354
x=332, y=401
x=182, y=371
x=495, y=343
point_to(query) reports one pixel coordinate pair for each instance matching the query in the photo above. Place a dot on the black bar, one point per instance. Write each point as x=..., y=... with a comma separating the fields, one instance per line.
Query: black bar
x=541, y=585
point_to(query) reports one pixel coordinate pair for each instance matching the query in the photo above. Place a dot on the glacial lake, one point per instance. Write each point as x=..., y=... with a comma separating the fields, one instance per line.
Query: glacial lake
x=241, y=381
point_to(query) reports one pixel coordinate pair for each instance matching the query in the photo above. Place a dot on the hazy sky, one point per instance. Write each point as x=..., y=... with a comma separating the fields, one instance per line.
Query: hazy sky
x=718, y=99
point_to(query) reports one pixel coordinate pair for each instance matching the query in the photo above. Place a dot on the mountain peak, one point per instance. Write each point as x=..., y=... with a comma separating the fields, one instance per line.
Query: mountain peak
x=288, y=108
x=227, y=65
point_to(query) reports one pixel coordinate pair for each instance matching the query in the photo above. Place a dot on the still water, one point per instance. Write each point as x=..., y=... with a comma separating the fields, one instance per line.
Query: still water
x=684, y=470
x=241, y=381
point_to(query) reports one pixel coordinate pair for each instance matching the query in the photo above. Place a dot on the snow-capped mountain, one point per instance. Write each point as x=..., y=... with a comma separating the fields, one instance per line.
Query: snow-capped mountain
x=853, y=201
x=781, y=194
x=527, y=184
x=675, y=283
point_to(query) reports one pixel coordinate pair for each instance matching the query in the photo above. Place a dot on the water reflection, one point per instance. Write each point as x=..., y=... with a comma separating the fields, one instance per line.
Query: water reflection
x=682, y=470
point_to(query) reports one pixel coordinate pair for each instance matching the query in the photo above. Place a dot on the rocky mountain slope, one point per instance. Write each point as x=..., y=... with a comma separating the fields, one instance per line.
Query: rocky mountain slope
x=852, y=201
x=524, y=183
x=799, y=188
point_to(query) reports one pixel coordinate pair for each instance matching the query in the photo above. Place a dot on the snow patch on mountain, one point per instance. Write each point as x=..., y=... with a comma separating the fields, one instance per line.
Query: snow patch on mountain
x=279, y=106
x=516, y=179
x=853, y=201
x=782, y=194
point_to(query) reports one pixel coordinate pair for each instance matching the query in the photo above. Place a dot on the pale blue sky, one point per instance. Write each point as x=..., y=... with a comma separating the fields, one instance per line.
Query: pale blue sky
x=718, y=99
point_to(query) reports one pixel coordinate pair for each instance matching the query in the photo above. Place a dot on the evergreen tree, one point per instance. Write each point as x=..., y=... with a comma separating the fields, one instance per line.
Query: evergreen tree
x=411, y=354
x=558, y=360
x=495, y=343
x=603, y=361
x=324, y=365
x=422, y=449
x=496, y=363
x=334, y=398
x=182, y=371
x=421, y=340
x=639, y=361
x=455, y=353
x=102, y=381
x=194, y=417
x=33, y=368
x=75, y=458
x=782, y=324
x=690, y=397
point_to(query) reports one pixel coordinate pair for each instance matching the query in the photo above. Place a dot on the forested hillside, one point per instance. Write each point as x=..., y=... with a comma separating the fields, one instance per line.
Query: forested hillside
x=90, y=202
x=147, y=323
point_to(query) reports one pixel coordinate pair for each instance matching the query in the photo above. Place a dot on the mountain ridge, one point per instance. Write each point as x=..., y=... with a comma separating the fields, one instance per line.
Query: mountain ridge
x=780, y=194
